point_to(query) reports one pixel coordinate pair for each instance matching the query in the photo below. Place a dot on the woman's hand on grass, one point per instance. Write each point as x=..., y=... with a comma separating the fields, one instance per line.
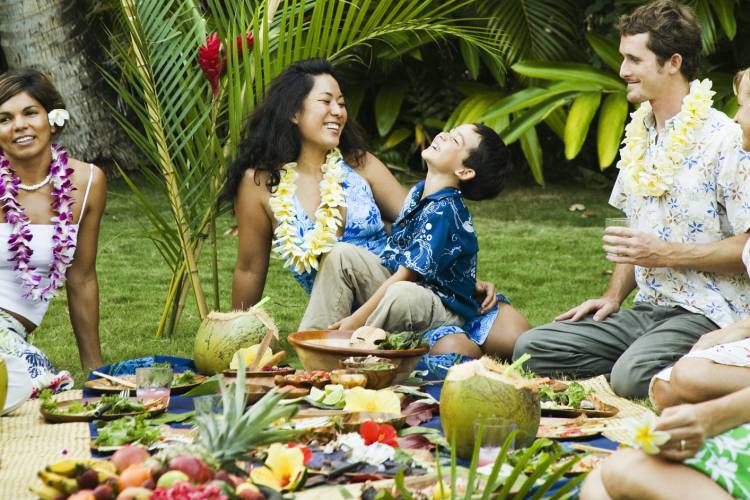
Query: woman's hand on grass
x=601, y=308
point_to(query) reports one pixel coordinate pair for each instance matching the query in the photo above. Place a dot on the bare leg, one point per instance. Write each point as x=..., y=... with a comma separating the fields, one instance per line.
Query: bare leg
x=695, y=379
x=508, y=326
x=664, y=394
x=593, y=488
x=458, y=343
x=631, y=474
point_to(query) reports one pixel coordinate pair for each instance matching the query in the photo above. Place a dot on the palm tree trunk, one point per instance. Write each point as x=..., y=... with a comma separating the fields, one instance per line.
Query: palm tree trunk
x=54, y=36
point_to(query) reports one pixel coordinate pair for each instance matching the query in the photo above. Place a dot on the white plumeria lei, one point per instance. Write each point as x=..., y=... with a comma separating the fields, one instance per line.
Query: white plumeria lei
x=657, y=178
x=301, y=253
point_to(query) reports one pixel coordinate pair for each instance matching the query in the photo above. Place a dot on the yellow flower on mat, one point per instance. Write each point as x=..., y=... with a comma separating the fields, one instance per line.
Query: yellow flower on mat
x=369, y=401
x=642, y=434
x=283, y=469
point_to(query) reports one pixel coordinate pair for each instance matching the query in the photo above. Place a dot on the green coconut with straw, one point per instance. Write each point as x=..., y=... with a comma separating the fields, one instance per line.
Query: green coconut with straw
x=223, y=334
x=482, y=389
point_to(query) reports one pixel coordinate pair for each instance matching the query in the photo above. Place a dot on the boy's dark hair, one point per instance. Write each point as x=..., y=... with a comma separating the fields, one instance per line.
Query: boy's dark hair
x=490, y=161
x=672, y=29
x=36, y=84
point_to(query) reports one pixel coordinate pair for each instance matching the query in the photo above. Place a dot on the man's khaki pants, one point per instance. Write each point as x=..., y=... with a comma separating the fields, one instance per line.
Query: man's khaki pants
x=349, y=275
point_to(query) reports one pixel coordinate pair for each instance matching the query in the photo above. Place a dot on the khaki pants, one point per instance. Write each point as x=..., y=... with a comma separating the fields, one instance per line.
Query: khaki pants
x=349, y=275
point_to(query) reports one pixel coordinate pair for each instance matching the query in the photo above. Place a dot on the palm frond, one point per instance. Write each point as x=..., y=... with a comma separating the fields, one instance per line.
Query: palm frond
x=188, y=134
x=534, y=29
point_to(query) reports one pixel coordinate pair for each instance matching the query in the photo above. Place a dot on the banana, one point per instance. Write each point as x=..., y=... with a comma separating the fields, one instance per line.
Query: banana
x=103, y=466
x=65, y=484
x=69, y=467
x=104, y=474
x=44, y=492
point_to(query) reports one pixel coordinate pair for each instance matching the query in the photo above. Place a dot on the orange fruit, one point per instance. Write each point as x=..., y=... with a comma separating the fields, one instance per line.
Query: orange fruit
x=134, y=475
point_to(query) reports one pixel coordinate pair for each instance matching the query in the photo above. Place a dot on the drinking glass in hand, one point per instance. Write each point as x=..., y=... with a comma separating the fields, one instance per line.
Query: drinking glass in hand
x=616, y=221
x=495, y=430
x=153, y=384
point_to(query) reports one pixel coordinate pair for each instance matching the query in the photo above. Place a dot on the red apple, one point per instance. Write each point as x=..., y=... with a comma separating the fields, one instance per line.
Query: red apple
x=129, y=455
x=194, y=467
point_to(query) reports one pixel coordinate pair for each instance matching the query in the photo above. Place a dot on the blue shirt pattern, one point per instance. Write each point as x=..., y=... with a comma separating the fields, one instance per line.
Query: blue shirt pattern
x=435, y=237
x=363, y=227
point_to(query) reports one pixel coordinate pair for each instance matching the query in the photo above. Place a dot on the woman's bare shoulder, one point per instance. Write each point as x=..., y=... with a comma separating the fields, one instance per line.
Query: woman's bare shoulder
x=255, y=183
x=369, y=166
x=81, y=173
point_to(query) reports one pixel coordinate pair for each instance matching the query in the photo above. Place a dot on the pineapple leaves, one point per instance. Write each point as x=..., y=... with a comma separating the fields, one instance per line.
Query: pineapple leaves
x=239, y=431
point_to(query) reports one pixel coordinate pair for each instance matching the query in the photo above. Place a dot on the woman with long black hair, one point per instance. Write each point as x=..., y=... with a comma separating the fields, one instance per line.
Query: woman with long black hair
x=303, y=181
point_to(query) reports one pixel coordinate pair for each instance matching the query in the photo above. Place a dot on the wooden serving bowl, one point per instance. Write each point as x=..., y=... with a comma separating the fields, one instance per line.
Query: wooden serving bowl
x=324, y=349
x=376, y=379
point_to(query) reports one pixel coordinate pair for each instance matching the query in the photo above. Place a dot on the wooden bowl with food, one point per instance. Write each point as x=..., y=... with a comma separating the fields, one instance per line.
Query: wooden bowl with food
x=380, y=372
x=325, y=349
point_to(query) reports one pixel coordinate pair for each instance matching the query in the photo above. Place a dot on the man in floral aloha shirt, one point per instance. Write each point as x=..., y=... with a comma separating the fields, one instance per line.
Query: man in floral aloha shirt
x=684, y=184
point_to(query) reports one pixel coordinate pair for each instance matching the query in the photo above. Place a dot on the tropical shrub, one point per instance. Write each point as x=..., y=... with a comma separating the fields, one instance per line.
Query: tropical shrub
x=190, y=73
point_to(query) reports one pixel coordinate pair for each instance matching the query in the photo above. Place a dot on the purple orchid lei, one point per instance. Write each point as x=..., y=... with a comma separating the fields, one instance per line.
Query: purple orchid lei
x=63, y=238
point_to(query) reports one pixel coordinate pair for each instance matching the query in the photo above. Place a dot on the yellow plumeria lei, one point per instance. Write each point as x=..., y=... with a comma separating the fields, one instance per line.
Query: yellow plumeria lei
x=657, y=178
x=301, y=252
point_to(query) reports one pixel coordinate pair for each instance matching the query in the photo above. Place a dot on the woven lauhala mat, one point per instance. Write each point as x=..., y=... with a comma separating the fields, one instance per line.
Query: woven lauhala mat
x=28, y=444
x=627, y=408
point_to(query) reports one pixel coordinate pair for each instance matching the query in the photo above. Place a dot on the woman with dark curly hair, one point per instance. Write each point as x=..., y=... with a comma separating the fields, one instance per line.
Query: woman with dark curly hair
x=304, y=117
x=303, y=180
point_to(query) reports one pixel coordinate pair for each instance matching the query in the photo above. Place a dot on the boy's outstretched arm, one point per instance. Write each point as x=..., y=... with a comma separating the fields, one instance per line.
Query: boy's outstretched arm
x=359, y=317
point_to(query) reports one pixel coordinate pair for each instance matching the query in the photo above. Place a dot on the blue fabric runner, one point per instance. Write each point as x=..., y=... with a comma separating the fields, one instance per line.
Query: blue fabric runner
x=177, y=404
x=180, y=404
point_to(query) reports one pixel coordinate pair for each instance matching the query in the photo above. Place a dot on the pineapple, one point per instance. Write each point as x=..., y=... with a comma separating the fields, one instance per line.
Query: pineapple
x=232, y=436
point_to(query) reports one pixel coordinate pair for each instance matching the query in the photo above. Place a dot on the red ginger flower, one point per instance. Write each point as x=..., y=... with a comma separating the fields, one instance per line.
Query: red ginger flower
x=250, y=42
x=372, y=432
x=212, y=61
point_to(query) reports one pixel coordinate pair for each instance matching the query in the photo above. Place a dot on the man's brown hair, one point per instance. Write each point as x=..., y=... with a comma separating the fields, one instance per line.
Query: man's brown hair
x=672, y=29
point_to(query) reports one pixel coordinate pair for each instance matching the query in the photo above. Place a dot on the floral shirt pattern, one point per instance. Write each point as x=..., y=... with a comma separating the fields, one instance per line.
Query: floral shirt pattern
x=435, y=237
x=726, y=460
x=709, y=201
x=363, y=226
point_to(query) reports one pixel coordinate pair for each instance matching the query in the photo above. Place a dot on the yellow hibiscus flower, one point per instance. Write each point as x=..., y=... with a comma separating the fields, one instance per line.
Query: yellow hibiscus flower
x=283, y=469
x=360, y=399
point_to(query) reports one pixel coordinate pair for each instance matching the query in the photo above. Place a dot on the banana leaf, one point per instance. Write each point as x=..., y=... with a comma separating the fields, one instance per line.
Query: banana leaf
x=581, y=113
x=568, y=71
x=611, y=126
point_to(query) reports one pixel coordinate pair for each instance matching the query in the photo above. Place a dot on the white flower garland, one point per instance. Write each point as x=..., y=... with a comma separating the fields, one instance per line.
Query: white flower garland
x=301, y=252
x=657, y=178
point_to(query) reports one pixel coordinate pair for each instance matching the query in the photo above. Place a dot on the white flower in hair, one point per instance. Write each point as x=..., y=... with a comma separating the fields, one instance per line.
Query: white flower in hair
x=58, y=117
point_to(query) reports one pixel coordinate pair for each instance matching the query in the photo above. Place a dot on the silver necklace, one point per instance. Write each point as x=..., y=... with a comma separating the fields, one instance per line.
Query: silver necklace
x=36, y=186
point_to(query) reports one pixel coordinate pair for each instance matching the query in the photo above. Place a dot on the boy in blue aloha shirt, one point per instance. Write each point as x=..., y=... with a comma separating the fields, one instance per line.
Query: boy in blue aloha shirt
x=426, y=275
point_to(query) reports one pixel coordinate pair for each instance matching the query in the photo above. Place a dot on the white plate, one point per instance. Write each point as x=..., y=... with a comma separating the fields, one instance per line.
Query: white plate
x=19, y=383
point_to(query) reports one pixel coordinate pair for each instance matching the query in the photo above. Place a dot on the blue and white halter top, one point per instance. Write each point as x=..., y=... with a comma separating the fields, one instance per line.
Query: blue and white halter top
x=363, y=226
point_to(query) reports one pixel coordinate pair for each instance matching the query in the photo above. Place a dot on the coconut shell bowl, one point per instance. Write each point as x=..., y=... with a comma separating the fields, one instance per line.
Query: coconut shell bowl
x=327, y=349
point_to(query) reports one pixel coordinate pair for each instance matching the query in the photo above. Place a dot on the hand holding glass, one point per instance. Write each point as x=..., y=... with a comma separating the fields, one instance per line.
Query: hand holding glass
x=153, y=384
x=616, y=221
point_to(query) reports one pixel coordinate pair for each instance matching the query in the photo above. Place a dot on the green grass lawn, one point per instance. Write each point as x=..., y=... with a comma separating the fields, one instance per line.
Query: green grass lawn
x=542, y=256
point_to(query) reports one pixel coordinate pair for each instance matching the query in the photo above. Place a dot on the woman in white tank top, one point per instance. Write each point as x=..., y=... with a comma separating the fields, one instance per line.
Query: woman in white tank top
x=49, y=226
